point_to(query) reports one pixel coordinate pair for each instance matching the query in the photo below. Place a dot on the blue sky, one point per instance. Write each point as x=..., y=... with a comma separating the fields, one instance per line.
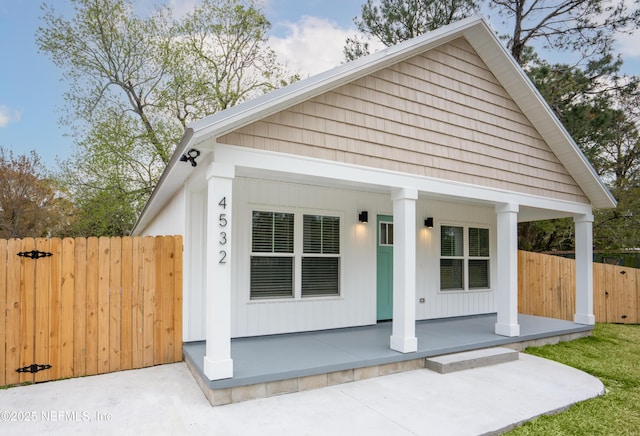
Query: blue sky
x=308, y=34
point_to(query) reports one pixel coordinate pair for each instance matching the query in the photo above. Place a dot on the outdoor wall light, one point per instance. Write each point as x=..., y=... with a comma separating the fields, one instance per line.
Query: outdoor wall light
x=429, y=222
x=363, y=216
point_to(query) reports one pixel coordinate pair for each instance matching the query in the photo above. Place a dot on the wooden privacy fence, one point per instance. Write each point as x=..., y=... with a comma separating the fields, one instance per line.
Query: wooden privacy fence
x=547, y=287
x=91, y=306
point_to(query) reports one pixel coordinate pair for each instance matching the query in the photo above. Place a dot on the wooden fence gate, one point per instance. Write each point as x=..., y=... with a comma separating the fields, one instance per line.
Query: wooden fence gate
x=75, y=307
x=547, y=287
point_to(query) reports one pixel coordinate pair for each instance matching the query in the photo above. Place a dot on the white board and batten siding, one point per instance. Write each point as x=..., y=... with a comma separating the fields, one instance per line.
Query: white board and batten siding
x=171, y=219
x=356, y=304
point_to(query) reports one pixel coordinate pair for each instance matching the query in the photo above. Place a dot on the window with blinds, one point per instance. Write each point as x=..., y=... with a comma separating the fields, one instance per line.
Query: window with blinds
x=321, y=255
x=478, y=258
x=456, y=253
x=272, y=255
x=451, y=258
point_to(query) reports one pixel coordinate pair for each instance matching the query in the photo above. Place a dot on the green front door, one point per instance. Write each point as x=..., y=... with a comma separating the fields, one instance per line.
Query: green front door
x=384, y=256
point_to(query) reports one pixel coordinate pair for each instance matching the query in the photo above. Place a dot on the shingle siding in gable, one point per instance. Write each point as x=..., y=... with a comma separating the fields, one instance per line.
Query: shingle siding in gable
x=442, y=114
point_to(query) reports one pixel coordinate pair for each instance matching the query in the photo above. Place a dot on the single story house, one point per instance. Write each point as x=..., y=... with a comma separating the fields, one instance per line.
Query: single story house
x=388, y=188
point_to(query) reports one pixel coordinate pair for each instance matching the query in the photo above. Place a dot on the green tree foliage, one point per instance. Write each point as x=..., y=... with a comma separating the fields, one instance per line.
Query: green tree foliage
x=30, y=204
x=599, y=108
x=585, y=26
x=394, y=21
x=136, y=82
x=590, y=102
x=620, y=165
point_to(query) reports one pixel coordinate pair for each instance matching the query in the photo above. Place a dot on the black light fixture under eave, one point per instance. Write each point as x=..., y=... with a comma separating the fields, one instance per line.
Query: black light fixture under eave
x=363, y=216
x=428, y=222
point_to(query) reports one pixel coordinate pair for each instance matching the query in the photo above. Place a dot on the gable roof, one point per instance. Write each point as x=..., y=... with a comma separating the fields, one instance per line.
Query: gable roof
x=476, y=30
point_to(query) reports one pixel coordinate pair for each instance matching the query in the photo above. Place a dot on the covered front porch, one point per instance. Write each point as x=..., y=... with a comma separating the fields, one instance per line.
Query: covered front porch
x=277, y=364
x=243, y=186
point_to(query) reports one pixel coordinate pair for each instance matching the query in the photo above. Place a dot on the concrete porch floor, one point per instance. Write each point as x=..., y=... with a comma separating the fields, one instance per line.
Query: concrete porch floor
x=271, y=365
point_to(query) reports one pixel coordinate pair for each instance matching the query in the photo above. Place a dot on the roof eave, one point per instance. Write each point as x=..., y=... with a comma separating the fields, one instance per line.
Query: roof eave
x=475, y=29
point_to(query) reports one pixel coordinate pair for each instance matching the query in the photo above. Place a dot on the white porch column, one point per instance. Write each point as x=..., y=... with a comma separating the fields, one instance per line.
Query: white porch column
x=507, y=280
x=217, y=360
x=584, y=270
x=403, y=336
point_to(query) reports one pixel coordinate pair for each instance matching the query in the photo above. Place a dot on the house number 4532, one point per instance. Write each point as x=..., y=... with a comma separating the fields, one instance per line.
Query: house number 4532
x=222, y=224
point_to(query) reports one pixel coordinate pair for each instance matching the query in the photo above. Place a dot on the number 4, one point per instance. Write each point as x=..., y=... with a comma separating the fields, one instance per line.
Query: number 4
x=223, y=203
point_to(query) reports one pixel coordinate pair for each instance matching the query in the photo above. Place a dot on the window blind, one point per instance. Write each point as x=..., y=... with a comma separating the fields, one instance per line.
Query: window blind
x=321, y=234
x=451, y=274
x=451, y=241
x=320, y=276
x=478, y=274
x=478, y=242
x=320, y=273
x=272, y=232
x=271, y=276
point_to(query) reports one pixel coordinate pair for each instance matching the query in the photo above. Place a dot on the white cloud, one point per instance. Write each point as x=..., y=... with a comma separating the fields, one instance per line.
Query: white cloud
x=8, y=115
x=628, y=45
x=312, y=45
x=181, y=8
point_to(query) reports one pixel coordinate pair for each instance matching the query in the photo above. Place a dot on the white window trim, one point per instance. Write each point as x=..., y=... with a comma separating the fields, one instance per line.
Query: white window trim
x=298, y=252
x=379, y=232
x=465, y=258
x=261, y=254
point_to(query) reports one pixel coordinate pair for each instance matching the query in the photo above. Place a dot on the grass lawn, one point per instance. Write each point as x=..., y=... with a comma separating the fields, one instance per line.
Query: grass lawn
x=612, y=354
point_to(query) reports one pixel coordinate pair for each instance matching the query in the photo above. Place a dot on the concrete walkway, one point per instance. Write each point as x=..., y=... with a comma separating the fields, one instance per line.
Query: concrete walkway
x=165, y=400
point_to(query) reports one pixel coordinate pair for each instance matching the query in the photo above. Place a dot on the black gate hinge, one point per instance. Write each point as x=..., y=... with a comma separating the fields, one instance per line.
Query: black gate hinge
x=35, y=254
x=33, y=368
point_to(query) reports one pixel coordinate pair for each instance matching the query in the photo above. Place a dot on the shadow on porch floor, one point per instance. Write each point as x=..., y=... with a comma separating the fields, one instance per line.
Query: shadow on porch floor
x=300, y=356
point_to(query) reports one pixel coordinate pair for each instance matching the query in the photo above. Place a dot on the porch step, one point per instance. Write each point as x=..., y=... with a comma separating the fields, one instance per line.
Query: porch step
x=470, y=359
